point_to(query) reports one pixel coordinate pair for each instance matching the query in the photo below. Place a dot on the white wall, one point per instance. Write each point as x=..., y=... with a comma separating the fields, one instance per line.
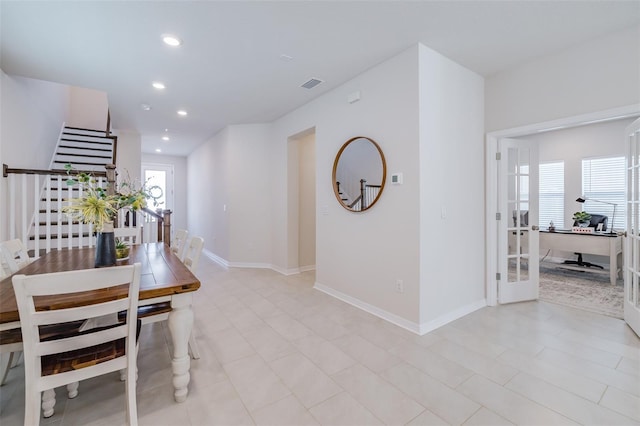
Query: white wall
x=594, y=76
x=451, y=190
x=360, y=255
x=306, y=201
x=248, y=185
x=179, y=215
x=88, y=109
x=207, y=194
x=228, y=195
x=31, y=117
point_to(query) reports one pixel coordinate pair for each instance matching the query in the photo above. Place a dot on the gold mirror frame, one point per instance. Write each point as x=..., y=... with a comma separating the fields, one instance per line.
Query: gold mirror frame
x=336, y=189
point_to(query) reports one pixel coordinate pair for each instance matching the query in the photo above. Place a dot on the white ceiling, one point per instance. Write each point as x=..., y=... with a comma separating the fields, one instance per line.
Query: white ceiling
x=229, y=70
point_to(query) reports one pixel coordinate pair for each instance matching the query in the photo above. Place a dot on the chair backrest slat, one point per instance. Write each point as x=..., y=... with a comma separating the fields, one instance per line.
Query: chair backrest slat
x=193, y=252
x=179, y=241
x=14, y=255
x=81, y=341
x=78, y=313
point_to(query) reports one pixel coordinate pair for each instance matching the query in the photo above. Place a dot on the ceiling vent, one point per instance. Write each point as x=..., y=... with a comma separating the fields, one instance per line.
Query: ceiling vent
x=311, y=83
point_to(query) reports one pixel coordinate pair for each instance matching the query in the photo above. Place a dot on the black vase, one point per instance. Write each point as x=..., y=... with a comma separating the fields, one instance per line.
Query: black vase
x=105, y=249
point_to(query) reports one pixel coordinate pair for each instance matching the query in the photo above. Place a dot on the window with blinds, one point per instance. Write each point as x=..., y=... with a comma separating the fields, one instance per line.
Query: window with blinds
x=551, y=198
x=603, y=182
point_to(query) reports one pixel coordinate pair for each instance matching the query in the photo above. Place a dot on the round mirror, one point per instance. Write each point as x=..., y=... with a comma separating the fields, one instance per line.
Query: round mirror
x=359, y=173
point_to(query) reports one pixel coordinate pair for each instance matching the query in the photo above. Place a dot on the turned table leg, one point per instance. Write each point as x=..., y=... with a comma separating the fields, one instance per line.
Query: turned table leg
x=180, y=325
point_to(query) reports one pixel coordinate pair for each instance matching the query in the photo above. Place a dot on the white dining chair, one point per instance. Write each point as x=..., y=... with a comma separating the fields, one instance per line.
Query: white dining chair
x=130, y=235
x=13, y=257
x=53, y=363
x=179, y=241
x=192, y=253
x=191, y=260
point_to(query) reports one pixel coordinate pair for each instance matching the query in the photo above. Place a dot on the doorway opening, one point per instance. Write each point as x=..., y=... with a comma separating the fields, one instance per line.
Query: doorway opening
x=302, y=202
x=563, y=278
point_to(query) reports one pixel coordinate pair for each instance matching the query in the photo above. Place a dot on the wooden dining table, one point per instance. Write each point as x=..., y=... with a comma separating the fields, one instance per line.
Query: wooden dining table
x=163, y=278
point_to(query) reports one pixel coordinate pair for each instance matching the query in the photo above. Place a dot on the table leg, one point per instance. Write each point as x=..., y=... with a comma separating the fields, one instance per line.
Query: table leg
x=180, y=324
x=613, y=262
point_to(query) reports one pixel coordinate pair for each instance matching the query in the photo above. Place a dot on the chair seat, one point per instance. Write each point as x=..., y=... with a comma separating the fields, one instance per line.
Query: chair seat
x=150, y=310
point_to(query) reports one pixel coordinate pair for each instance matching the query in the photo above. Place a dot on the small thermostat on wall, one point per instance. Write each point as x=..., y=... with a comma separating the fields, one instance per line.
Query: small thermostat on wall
x=396, y=179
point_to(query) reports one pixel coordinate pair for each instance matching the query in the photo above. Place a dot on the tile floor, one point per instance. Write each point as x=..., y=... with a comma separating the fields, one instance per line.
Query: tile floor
x=276, y=352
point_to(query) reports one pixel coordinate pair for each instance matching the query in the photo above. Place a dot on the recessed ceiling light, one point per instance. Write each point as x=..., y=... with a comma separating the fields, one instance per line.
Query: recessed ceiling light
x=158, y=150
x=171, y=40
x=165, y=138
x=182, y=112
x=158, y=85
x=145, y=107
x=286, y=57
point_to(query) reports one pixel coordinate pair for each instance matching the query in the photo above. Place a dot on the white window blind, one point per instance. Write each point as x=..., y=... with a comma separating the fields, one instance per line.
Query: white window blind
x=603, y=179
x=551, y=188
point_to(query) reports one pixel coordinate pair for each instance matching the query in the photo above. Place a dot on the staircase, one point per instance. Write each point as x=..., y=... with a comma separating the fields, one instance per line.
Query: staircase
x=84, y=149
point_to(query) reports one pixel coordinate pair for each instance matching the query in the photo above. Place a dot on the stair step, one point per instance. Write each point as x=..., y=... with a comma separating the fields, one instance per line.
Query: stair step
x=98, y=142
x=81, y=129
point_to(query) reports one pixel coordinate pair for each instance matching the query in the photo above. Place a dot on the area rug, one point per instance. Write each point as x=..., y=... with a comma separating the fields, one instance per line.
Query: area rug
x=582, y=290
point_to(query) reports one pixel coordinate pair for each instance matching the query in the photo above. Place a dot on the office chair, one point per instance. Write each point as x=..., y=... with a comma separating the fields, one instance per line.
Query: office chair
x=596, y=219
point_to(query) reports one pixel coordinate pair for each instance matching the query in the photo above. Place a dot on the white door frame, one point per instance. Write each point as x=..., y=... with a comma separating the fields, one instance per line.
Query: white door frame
x=491, y=178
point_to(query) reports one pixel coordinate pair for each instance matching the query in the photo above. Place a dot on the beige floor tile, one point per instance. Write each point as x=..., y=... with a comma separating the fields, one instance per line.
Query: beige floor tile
x=229, y=345
x=582, y=350
x=485, y=417
x=445, y=402
x=324, y=354
x=609, y=376
x=286, y=412
x=366, y=353
x=427, y=418
x=476, y=342
x=377, y=395
x=244, y=319
x=629, y=366
x=561, y=377
x=269, y=344
x=614, y=347
x=264, y=308
x=288, y=327
x=566, y=403
x=438, y=367
x=255, y=382
x=218, y=405
x=310, y=384
x=343, y=410
x=489, y=367
x=622, y=402
x=324, y=327
x=158, y=408
x=510, y=405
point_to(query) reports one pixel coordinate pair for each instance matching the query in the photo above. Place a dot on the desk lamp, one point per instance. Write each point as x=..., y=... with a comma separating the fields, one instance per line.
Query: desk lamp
x=583, y=199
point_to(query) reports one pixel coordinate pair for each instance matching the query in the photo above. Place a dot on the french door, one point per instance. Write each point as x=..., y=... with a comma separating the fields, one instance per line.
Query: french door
x=632, y=245
x=518, y=237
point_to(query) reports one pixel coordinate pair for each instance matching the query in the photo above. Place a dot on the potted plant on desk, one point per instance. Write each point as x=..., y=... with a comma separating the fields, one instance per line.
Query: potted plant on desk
x=582, y=218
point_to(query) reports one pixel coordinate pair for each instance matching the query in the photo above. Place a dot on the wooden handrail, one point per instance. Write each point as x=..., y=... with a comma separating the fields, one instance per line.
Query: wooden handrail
x=6, y=170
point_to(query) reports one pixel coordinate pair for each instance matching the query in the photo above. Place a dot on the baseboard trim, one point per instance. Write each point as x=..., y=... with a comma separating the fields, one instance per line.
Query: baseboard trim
x=428, y=326
x=220, y=261
x=374, y=310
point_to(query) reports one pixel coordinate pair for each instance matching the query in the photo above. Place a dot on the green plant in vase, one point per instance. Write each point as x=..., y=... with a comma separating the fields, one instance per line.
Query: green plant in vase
x=122, y=249
x=98, y=208
x=583, y=218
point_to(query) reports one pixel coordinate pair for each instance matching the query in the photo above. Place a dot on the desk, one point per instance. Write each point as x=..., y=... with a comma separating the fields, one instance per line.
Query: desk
x=163, y=275
x=598, y=243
